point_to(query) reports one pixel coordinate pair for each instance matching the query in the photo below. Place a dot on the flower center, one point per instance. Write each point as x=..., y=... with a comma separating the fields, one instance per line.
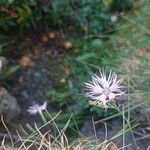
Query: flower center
x=106, y=91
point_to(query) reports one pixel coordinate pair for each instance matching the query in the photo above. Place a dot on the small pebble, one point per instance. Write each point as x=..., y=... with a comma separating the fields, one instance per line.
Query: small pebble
x=25, y=94
x=44, y=70
x=37, y=74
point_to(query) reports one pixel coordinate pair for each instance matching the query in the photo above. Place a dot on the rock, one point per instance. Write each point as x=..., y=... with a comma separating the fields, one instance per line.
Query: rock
x=26, y=61
x=67, y=45
x=43, y=70
x=25, y=94
x=37, y=74
x=9, y=107
x=3, y=63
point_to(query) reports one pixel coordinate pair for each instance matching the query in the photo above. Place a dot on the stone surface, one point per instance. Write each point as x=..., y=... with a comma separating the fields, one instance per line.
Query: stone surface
x=3, y=63
x=9, y=107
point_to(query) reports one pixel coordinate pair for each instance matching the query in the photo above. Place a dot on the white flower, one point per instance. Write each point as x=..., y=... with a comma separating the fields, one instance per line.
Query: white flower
x=104, y=89
x=36, y=108
x=114, y=18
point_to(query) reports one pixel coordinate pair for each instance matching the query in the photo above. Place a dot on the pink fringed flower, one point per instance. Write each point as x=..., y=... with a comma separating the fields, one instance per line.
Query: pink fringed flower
x=104, y=89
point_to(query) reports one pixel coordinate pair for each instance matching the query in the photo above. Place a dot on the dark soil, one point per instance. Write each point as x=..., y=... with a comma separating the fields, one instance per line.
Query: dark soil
x=109, y=129
x=31, y=83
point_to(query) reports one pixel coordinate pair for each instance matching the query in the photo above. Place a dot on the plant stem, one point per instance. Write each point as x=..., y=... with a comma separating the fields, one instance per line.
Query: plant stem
x=123, y=134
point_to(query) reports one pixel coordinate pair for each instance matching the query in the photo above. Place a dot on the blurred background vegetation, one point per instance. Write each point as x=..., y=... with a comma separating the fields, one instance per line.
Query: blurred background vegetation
x=94, y=15
x=108, y=33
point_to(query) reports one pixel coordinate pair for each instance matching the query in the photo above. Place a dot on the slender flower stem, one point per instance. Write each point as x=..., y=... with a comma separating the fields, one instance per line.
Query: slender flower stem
x=123, y=126
x=42, y=116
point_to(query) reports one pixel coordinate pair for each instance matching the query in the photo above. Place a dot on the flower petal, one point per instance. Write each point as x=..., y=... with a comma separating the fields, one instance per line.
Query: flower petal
x=111, y=96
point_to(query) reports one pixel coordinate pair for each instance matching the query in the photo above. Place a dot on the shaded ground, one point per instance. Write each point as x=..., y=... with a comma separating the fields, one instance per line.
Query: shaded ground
x=110, y=130
x=39, y=56
x=32, y=84
x=33, y=80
